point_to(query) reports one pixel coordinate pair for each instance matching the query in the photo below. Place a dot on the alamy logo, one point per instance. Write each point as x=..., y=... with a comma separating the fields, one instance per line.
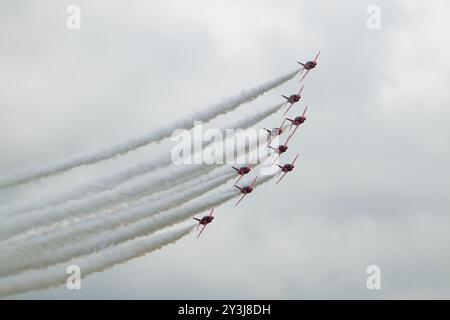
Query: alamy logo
x=374, y=280
x=73, y=282
x=231, y=146
x=374, y=20
x=74, y=19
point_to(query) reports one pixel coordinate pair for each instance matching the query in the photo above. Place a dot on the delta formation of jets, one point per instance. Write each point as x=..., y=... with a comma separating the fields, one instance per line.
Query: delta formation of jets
x=282, y=148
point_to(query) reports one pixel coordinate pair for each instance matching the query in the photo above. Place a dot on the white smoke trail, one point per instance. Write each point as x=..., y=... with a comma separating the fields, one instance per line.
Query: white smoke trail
x=110, y=181
x=24, y=253
x=100, y=261
x=41, y=256
x=74, y=209
x=59, y=166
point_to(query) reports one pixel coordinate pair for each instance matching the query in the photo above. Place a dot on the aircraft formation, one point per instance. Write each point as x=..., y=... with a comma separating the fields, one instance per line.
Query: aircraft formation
x=278, y=150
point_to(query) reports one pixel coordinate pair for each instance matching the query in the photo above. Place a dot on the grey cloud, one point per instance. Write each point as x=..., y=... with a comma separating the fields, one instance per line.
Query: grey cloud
x=370, y=186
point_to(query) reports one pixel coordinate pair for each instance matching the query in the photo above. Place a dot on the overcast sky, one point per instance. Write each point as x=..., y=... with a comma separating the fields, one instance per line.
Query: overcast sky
x=372, y=183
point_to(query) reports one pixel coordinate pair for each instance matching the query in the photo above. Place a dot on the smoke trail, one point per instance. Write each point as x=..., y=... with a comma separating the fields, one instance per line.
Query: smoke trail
x=66, y=248
x=17, y=256
x=71, y=209
x=59, y=166
x=77, y=208
x=108, y=258
x=110, y=181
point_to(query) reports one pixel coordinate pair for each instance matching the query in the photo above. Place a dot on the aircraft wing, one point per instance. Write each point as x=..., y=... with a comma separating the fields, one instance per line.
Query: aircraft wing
x=317, y=56
x=276, y=158
x=281, y=177
x=304, y=111
x=290, y=136
x=295, y=159
x=288, y=108
x=240, y=199
x=204, y=226
x=306, y=73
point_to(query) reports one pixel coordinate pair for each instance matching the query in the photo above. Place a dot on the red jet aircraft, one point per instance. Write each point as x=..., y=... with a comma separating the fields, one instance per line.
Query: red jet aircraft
x=288, y=167
x=297, y=121
x=292, y=99
x=275, y=132
x=243, y=171
x=282, y=148
x=204, y=221
x=308, y=66
x=245, y=190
